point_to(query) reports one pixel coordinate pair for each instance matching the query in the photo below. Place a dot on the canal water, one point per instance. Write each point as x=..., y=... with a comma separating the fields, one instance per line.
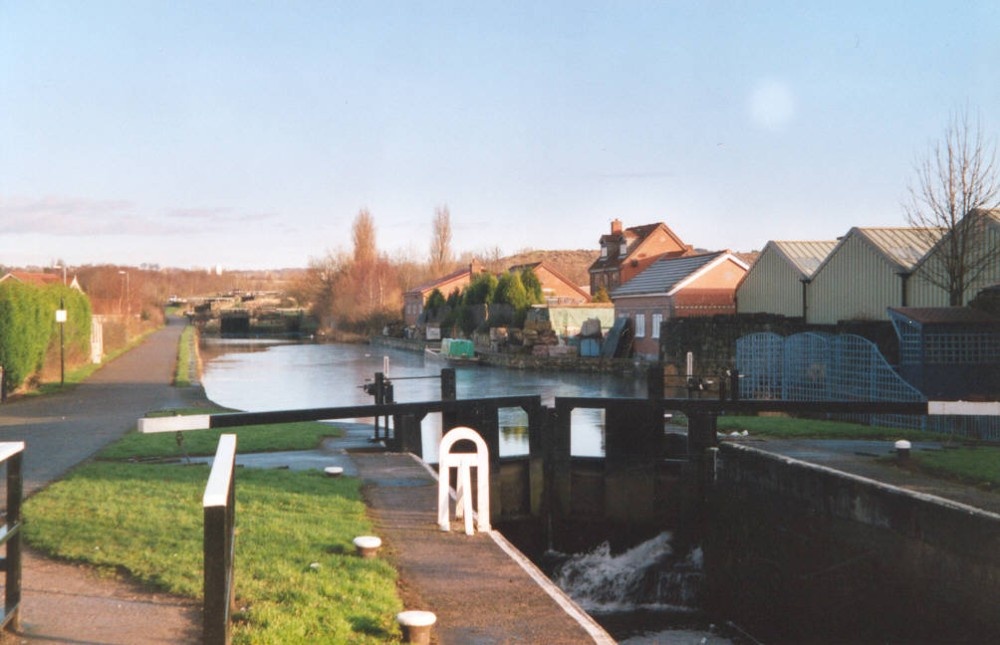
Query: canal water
x=261, y=375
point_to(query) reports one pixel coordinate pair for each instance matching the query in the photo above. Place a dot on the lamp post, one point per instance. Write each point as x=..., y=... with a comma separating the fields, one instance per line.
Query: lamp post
x=61, y=319
x=128, y=304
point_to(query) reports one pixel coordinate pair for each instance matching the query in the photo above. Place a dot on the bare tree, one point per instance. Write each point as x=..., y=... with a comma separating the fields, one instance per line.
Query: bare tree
x=955, y=187
x=441, y=259
x=363, y=233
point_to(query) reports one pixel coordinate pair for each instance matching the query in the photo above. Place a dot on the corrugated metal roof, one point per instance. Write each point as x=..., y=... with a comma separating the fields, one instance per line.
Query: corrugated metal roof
x=805, y=256
x=903, y=245
x=664, y=274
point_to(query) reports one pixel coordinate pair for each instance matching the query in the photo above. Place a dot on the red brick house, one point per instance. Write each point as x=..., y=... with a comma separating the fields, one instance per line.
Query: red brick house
x=413, y=300
x=626, y=252
x=557, y=289
x=677, y=287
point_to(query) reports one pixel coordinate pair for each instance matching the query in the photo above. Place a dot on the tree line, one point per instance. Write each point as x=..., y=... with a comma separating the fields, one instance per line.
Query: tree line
x=360, y=290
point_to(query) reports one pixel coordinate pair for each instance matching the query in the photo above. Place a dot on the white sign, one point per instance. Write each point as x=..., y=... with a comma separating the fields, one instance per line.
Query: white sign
x=60, y=315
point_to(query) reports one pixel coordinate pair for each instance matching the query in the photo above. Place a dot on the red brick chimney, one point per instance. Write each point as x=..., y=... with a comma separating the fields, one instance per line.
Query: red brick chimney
x=616, y=226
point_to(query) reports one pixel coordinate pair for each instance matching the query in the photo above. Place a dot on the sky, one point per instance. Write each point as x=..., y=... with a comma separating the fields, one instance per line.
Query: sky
x=248, y=135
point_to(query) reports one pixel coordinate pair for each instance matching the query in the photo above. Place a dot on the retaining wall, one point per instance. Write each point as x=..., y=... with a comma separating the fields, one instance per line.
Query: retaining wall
x=799, y=552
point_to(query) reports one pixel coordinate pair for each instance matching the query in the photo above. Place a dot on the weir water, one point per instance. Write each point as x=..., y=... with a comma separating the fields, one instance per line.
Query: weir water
x=647, y=594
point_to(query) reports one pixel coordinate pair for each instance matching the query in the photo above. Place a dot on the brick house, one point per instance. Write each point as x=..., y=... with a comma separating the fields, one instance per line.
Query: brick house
x=626, y=252
x=677, y=287
x=413, y=300
x=557, y=289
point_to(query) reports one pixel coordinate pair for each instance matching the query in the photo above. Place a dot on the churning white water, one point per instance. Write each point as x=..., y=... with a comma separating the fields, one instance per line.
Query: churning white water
x=647, y=594
x=646, y=576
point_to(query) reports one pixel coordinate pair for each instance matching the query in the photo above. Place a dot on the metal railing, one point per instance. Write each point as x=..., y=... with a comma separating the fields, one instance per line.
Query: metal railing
x=219, y=504
x=11, y=453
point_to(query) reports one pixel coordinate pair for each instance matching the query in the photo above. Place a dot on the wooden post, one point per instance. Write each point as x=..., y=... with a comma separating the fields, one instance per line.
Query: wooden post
x=219, y=505
x=13, y=455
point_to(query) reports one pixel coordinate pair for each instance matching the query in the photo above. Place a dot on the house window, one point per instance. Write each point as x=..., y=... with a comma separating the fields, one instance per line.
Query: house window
x=656, y=322
x=604, y=251
x=640, y=325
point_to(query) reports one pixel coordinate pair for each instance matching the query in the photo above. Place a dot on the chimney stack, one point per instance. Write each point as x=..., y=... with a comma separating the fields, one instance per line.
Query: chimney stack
x=616, y=226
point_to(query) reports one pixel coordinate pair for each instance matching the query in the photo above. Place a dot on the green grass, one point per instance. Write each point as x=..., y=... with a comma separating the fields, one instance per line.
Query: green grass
x=793, y=428
x=305, y=435
x=976, y=466
x=185, y=357
x=297, y=579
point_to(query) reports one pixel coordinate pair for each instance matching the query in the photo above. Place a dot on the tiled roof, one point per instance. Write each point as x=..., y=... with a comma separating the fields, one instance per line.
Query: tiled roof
x=806, y=257
x=28, y=277
x=629, y=239
x=664, y=274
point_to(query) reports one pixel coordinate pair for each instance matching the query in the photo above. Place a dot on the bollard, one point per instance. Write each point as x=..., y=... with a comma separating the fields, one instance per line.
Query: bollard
x=367, y=546
x=416, y=626
x=903, y=449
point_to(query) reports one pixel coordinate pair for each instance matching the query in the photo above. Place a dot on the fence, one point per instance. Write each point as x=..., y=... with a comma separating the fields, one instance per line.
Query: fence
x=843, y=368
x=219, y=503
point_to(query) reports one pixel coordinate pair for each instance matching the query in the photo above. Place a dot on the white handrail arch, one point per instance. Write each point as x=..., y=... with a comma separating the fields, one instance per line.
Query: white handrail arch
x=464, y=461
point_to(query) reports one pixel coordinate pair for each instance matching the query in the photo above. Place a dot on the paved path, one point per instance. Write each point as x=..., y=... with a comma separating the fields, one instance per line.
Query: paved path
x=480, y=588
x=61, y=430
x=65, y=603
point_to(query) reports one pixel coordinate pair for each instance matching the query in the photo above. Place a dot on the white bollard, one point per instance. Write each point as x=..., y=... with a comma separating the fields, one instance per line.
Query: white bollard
x=367, y=546
x=416, y=625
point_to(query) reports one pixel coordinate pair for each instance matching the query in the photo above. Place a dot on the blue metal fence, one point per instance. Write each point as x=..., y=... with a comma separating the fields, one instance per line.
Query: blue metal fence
x=822, y=367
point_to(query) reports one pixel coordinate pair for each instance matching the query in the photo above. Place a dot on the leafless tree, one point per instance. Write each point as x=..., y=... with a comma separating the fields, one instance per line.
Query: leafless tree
x=441, y=260
x=363, y=232
x=956, y=185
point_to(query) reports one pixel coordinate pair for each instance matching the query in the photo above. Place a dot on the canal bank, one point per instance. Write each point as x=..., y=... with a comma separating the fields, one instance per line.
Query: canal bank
x=523, y=361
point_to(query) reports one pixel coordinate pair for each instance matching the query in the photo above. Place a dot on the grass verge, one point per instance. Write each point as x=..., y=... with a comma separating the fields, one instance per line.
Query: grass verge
x=297, y=578
x=794, y=428
x=976, y=466
x=185, y=357
x=304, y=435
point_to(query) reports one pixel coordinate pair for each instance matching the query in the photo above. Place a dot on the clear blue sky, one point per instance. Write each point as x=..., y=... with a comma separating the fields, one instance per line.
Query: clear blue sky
x=250, y=134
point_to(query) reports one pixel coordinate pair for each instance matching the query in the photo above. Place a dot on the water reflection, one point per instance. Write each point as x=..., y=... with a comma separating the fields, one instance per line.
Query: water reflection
x=259, y=375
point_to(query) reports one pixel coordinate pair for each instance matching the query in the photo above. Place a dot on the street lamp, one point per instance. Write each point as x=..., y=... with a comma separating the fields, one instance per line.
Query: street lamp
x=61, y=319
x=128, y=303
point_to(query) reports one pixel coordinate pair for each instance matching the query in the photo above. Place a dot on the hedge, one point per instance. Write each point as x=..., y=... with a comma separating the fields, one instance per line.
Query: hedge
x=28, y=326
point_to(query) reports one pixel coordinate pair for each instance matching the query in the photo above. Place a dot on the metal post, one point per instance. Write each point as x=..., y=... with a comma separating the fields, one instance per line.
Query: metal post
x=655, y=382
x=448, y=387
x=62, y=343
x=379, y=393
x=449, y=392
